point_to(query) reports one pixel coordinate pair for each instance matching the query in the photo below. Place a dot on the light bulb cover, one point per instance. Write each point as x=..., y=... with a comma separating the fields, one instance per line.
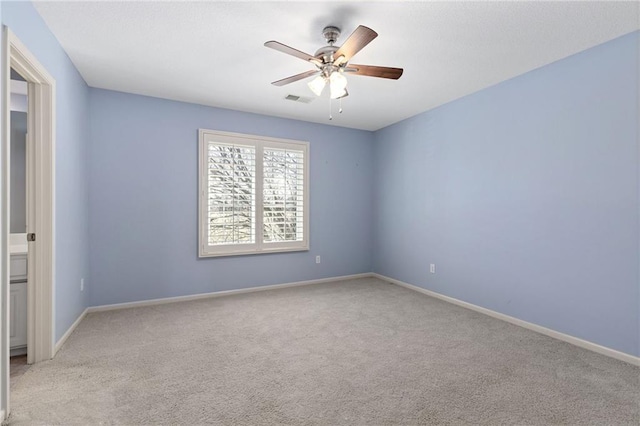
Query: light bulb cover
x=317, y=85
x=337, y=84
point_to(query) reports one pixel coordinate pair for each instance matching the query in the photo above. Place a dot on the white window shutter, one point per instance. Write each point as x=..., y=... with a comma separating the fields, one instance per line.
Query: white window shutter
x=231, y=194
x=283, y=195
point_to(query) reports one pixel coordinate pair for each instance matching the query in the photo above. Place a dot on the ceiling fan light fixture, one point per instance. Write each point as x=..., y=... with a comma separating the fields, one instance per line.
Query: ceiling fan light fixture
x=317, y=85
x=337, y=85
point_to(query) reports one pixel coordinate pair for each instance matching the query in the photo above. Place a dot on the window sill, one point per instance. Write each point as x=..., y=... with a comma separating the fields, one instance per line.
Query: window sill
x=205, y=254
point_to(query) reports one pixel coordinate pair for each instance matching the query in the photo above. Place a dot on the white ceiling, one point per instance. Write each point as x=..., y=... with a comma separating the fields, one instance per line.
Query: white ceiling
x=212, y=53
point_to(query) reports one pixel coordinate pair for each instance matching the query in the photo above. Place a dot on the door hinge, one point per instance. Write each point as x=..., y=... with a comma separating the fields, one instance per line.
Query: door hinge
x=31, y=236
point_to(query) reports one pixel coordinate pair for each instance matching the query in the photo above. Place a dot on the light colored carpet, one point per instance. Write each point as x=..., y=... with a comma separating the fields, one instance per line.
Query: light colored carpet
x=353, y=352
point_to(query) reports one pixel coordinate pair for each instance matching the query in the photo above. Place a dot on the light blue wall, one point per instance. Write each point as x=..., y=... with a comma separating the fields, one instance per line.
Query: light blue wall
x=143, y=201
x=72, y=101
x=525, y=196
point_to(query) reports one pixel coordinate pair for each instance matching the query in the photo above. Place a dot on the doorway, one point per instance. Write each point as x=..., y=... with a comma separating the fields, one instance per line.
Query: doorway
x=18, y=247
x=39, y=205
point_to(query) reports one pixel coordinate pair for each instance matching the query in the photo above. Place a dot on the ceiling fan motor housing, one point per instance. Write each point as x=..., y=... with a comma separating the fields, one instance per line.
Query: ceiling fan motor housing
x=325, y=54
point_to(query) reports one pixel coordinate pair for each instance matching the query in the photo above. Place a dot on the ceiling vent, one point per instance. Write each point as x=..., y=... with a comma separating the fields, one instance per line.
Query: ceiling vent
x=301, y=99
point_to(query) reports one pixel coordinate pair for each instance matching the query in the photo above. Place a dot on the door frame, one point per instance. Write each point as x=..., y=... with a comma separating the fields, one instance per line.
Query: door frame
x=40, y=206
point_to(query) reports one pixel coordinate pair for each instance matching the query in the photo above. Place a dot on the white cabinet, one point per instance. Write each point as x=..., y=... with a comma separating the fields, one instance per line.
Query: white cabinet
x=18, y=310
x=18, y=301
x=18, y=267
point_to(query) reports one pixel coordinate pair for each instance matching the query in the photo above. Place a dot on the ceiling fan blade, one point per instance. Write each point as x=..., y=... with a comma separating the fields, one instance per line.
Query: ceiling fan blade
x=356, y=41
x=295, y=78
x=291, y=51
x=373, y=71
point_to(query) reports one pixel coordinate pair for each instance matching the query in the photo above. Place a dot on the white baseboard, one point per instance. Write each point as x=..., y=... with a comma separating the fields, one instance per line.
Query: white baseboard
x=18, y=351
x=585, y=344
x=66, y=335
x=162, y=301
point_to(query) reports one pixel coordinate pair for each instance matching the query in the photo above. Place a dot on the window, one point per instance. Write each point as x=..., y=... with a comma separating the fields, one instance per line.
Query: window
x=253, y=194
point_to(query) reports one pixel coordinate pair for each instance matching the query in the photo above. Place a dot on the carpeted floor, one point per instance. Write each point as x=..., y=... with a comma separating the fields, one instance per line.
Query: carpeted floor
x=348, y=353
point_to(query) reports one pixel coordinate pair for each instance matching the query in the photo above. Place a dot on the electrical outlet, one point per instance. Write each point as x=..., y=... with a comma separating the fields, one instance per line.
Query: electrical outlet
x=317, y=259
x=81, y=284
x=432, y=268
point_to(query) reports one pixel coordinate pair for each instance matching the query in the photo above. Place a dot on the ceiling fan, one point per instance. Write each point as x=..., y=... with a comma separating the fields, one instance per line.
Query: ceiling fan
x=332, y=62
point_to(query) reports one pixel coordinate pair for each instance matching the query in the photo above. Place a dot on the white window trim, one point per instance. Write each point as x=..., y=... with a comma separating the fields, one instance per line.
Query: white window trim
x=259, y=142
